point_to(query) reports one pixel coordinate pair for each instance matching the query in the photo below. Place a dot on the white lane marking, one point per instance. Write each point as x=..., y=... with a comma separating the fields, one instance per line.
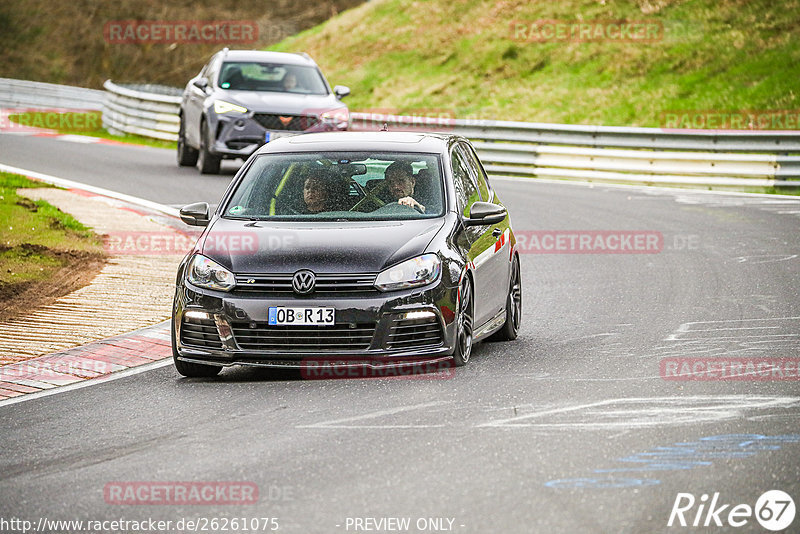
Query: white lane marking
x=769, y=258
x=83, y=139
x=639, y=412
x=69, y=184
x=337, y=423
x=88, y=382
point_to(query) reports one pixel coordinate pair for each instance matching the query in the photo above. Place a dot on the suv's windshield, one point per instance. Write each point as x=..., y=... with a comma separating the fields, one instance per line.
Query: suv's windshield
x=339, y=186
x=252, y=76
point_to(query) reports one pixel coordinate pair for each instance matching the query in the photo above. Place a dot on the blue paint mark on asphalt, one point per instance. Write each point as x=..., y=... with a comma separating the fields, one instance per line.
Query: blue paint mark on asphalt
x=679, y=456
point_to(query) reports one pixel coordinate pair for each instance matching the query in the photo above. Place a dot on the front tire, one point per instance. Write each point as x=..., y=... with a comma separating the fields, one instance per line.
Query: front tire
x=464, y=324
x=187, y=156
x=510, y=328
x=209, y=163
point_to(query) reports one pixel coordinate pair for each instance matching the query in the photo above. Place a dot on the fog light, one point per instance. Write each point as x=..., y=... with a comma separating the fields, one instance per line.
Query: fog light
x=193, y=314
x=419, y=315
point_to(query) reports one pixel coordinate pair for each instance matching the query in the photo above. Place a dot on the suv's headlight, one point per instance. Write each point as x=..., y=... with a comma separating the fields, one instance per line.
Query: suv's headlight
x=418, y=271
x=207, y=273
x=220, y=106
x=338, y=117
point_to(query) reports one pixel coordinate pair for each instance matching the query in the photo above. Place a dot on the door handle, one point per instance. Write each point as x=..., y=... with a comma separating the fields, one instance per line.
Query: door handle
x=497, y=232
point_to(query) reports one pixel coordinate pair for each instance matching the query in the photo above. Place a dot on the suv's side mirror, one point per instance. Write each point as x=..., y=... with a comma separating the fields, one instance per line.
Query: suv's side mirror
x=196, y=214
x=483, y=213
x=341, y=91
x=201, y=83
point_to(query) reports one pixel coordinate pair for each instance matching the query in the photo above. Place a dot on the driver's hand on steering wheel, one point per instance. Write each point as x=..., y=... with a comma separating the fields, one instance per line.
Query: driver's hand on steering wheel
x=411, y=203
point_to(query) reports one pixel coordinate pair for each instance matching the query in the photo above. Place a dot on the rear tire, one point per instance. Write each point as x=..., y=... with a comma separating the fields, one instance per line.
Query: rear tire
x=187, y=156
x=188, y=369
x=464, y=324
x=510, y=328
x=209, y=163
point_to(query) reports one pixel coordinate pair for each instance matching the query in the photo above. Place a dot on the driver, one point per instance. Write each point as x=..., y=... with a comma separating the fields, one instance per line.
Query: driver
x=400, y=181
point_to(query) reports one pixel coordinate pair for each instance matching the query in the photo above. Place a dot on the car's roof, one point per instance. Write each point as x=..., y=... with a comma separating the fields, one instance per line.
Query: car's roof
x=269, y=57
x=422, y=142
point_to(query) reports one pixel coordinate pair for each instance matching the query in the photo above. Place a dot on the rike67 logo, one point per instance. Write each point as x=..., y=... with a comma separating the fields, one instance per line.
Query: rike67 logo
x=774, y=510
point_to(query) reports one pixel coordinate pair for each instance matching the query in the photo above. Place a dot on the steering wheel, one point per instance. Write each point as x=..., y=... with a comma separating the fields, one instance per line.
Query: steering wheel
x=370, y=196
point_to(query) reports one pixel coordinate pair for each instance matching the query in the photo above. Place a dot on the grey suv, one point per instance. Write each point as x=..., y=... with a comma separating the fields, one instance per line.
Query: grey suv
x=243, y=99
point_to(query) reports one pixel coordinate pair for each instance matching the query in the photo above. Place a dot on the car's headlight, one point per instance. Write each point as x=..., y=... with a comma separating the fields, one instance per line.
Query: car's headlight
x=220, y=106
x=418, y=271
x=207, y=273
x=338, y=117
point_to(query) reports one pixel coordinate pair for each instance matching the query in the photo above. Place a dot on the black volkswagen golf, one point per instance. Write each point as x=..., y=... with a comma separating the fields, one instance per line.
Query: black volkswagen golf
x=378, y=249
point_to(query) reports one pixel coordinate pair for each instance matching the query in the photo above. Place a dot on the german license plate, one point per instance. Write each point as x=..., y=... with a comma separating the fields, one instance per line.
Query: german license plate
x=316, y=316
x=271, y=136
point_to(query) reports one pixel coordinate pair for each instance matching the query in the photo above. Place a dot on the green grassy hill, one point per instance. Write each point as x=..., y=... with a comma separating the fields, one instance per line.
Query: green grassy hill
x=461, y=57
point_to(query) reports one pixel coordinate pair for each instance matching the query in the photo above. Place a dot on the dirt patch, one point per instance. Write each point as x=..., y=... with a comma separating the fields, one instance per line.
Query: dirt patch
x=78, y=269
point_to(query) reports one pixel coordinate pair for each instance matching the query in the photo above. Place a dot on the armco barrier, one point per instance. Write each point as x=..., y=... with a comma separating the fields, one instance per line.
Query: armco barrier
x=22, y=94
x=696, y=158
x=150, y=111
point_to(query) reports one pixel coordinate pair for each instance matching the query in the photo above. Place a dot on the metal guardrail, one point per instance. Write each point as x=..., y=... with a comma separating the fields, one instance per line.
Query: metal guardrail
x=697, y=158
x=24, y=94
x=150, y=111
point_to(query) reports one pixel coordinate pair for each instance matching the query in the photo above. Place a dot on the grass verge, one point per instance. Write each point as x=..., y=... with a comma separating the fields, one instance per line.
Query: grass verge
x=44, y=252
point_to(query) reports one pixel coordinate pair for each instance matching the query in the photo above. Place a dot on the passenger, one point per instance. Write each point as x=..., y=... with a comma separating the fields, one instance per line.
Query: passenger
x=400, y=181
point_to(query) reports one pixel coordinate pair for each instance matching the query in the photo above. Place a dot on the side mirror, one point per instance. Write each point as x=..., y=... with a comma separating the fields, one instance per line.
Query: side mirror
x=201, y=83
x=484, y=213
x=196, y=214
x=341, y=91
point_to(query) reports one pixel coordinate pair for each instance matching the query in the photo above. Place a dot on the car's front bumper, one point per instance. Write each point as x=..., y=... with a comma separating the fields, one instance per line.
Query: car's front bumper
x=235, y=322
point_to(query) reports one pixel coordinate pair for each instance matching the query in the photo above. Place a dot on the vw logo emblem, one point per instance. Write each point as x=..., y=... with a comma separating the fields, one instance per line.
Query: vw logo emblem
x=303, y=282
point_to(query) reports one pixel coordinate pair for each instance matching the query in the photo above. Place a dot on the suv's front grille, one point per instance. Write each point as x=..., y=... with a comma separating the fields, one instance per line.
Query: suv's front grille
x=415, y=333
x=200, y=333
x=262, y=336
x=325, y=283
x=295, y=123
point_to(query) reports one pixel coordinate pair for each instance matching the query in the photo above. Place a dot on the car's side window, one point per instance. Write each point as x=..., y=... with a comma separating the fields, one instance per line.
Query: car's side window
x=476, y=171
x=466, y=190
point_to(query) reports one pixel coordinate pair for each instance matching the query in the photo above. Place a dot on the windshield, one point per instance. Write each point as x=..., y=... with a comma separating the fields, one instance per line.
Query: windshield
x=252, y=76
x=339, y=186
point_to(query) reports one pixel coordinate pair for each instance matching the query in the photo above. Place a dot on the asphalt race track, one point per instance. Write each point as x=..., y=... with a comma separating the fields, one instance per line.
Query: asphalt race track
x=578, y=426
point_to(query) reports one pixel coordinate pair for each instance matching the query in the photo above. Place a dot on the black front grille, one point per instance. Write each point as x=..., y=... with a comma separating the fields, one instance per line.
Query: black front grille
x=262, y=336
x=294, y=123
x=200, y=333
x=243, y=142
x=415, y=333
x=325, y=283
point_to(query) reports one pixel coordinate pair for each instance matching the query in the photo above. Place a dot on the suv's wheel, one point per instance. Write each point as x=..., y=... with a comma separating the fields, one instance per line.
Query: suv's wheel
x=209, y=163
x=464, y=323
x=510, y=328
x=187, y=156
x=188, y=369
